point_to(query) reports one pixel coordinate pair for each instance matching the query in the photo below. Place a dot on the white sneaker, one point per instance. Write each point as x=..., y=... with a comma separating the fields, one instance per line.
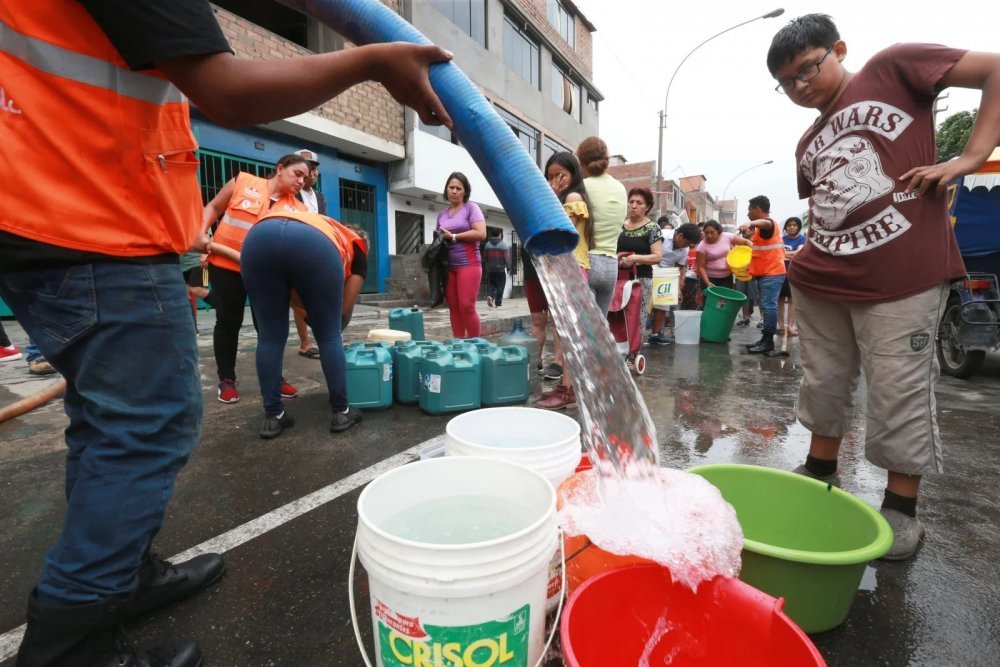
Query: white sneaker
x=489, y=301
x=907, y=532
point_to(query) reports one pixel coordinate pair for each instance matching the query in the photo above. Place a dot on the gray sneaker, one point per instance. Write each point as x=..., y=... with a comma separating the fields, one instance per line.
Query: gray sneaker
x=907, y=532
x=832, y=480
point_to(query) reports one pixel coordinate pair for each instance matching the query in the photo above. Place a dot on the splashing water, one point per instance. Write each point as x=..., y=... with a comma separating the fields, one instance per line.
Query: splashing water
x=617, y=432
x=630, y=505
x=678, y=520
x=663, y=626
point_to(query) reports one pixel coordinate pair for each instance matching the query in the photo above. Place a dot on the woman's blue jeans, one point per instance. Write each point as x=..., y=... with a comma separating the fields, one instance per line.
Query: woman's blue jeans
x=122, y=336
x=280, y=255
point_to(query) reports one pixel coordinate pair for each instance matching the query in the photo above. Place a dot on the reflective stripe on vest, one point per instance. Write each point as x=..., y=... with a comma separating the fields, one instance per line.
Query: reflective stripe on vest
x=226, y=218
x=67, y=64
x=117, y=143
x=237, y=220
x=768, y=257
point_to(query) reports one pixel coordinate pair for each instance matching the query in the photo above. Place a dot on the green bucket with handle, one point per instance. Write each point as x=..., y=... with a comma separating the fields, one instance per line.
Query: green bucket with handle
x=804, y=540
x=722, y=305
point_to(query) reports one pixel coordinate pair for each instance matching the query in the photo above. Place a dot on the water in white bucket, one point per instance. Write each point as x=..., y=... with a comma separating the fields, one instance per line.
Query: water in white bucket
x=457, y=552
x=460, y=519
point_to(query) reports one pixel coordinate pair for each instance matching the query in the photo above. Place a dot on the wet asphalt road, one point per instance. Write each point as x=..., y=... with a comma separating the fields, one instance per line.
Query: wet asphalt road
x=283, y=600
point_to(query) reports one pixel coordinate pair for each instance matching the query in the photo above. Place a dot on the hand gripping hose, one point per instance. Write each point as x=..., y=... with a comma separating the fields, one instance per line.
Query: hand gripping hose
x=525, y=196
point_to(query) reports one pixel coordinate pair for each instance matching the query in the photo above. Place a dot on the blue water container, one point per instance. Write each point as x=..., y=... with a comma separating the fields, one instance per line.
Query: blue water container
x=406, y=373
x=505, y=375
x=408, y=319
x=450, y=380
x=474, y=341
x=369, y=375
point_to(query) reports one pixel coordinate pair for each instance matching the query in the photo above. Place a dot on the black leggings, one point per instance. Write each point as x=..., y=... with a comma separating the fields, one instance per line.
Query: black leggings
x=228, y=298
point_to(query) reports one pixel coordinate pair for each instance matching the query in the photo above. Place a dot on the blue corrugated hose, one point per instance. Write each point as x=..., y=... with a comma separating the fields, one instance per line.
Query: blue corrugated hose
x=525, y=196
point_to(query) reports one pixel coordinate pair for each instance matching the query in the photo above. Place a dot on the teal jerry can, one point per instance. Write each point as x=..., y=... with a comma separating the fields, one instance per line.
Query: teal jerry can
x=406, y=374
x=505, y=375
x=473, y=341
x=408, y=319
x=369, y=375
x=450, y=381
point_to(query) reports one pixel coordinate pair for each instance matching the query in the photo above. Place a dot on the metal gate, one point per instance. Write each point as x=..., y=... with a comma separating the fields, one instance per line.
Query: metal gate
x=357, y=207
x=217, y=169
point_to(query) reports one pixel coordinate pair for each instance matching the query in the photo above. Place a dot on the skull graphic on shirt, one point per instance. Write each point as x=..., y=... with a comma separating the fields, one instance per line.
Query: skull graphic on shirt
x=851, y=175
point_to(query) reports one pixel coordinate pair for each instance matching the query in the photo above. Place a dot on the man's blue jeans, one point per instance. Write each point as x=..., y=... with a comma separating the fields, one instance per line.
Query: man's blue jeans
x=32, y=352
x=770, y=288
x=122, y=336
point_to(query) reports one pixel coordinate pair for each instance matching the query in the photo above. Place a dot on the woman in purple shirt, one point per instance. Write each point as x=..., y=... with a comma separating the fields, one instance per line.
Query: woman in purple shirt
x=464, y=227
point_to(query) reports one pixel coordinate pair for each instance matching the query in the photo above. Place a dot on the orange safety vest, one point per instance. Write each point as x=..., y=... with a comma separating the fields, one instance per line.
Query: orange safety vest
x=342, y=238
x=768, y=257
x=247, y=205
x=96, y=157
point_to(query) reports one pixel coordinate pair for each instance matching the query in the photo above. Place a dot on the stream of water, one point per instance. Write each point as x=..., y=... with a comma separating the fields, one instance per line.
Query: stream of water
x=617, y=431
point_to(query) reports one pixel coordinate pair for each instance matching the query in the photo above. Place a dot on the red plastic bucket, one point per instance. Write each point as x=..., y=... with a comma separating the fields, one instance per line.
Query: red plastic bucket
x=612, y=617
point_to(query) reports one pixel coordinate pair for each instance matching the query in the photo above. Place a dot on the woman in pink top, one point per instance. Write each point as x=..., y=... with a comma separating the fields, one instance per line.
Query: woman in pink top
x=711, y=264
x=464, y=227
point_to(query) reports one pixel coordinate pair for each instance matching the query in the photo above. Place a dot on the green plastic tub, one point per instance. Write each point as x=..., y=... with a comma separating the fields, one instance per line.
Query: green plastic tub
x=722, y=305
x=804, y=540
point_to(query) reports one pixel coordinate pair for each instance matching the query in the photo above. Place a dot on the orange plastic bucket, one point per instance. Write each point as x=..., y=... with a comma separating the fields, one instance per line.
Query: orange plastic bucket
x=583, y=558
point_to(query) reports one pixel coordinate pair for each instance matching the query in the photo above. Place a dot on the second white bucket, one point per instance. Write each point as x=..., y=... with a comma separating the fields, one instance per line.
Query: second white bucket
x=687, y=327
x=543, y=440
x=457, y=552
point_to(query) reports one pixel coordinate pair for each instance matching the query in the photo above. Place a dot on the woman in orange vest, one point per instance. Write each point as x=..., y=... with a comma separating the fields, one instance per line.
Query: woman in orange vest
x=313, y=255
x=239, y=205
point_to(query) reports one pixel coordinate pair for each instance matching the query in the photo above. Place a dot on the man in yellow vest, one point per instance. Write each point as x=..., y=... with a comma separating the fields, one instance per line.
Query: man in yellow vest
x=95, y=97
x=767, y=266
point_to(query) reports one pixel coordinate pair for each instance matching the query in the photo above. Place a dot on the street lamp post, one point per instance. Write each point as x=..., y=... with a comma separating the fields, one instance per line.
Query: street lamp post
x=726, y=189
x=663, y=112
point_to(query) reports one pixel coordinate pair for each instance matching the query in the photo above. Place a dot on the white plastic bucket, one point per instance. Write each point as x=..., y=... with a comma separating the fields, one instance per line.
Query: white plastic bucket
x=545, y=441
x=666, y=282
x=687, y=327
x=440, y=593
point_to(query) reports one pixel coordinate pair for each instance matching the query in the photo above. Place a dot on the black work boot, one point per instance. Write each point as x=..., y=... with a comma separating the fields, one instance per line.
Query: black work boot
x=89, y=635
x=162, y=583
x=765, y=344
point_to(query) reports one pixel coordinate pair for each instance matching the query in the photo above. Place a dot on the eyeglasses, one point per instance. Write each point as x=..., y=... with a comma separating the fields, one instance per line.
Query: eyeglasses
x=805, y=74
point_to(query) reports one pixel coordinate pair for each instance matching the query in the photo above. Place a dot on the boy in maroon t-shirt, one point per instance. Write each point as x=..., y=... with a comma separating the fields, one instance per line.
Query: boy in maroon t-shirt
x=876, y=203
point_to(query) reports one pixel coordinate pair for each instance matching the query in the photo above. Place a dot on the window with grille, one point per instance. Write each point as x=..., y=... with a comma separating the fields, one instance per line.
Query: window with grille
x=217, y=169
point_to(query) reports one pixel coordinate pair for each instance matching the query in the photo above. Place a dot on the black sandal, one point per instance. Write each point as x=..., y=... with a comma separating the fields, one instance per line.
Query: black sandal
x=312, y=353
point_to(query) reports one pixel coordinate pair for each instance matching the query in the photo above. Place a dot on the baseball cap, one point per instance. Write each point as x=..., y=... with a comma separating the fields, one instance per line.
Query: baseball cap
x=308, y=155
